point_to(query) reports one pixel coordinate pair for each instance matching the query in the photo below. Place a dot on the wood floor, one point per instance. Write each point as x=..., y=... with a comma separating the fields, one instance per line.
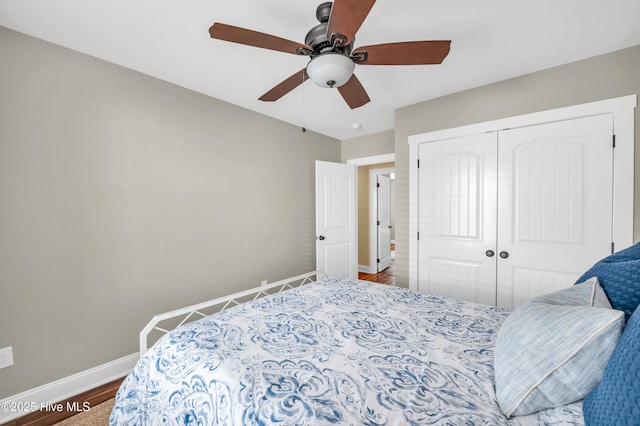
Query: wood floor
x=70, y=407
x=386, y=276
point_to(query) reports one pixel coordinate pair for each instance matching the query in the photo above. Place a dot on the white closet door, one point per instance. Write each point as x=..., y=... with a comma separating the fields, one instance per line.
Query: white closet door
x=554, y=205
x=457, y=211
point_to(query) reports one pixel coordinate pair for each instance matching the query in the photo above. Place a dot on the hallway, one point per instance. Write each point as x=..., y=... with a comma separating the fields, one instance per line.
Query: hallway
x=387, y=276
x=384, y=277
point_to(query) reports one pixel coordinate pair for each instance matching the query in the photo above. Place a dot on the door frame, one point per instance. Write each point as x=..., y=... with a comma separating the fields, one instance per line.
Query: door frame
x=368, y=161
x=623, y=111
x=373, y=215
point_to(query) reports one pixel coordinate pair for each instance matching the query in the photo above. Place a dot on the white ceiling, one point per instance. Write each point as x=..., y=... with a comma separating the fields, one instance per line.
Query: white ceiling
x=492, y=40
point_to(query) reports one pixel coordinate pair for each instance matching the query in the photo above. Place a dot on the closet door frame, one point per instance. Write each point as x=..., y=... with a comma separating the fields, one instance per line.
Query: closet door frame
x=622, y=110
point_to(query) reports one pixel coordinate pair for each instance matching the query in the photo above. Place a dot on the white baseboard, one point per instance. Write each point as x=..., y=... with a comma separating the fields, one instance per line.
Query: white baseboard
x=67, y=387
x=367, y=269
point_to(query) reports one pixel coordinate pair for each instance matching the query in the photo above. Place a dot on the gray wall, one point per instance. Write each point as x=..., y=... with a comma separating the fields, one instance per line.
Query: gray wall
x=122, y=196
x=602, y=77
x=368, y=146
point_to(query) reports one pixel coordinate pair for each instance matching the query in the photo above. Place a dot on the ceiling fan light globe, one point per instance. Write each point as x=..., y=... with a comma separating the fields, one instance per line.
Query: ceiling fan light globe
x=330, y=69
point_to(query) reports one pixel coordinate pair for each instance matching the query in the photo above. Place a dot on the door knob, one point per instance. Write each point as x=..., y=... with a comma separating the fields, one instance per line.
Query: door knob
x=489, y=253
x=504, y=254
x=321, y=237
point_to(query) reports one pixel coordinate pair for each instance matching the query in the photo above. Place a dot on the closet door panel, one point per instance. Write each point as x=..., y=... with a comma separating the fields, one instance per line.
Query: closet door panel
x=535, y=282
x=554, y=205
x=456, y=219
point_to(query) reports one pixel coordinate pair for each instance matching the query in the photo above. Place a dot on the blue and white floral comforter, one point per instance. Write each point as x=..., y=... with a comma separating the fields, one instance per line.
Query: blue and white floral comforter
x=334, y=352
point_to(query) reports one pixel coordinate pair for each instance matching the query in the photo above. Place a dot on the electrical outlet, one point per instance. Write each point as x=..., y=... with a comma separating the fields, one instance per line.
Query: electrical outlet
x=6, y=357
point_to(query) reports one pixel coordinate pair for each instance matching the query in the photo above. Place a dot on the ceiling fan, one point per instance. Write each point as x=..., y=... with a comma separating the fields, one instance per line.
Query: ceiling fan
x=330, y=47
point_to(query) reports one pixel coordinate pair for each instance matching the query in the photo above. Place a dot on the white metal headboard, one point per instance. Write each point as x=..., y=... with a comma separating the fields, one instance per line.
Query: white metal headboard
x=191, y=313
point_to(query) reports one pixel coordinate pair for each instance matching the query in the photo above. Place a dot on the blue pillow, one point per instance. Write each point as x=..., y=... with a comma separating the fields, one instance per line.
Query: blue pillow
x=619, y=276
x=616, y=399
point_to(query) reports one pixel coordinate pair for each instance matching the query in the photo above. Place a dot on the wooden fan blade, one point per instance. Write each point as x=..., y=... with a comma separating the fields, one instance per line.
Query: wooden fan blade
x=404, y=53
x=257, y=39
x=285, y=87
x=353, y=93
x=346, y=18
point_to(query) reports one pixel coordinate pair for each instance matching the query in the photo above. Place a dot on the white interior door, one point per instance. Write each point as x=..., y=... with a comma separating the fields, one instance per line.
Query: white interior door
x=456, y=218
x=555, y=198
x=336, y=224
x=384, y=222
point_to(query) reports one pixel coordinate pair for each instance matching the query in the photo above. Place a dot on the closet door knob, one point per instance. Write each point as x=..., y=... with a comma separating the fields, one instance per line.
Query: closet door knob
x=321, y=237
x=489, y=253
x=504, y=254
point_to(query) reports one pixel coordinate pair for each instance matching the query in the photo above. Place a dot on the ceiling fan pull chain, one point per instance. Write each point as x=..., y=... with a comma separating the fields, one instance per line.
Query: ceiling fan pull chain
x=303, y=111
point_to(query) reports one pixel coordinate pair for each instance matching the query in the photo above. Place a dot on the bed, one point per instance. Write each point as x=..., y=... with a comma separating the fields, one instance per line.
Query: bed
x=340, y=351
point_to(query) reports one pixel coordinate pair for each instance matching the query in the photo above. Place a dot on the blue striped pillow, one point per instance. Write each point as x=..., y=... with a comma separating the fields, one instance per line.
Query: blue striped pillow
x=588, y=293
x=550, y=354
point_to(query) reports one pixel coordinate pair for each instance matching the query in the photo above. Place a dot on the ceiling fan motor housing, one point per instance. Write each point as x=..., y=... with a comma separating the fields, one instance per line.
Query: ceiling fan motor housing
x=318, y=38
